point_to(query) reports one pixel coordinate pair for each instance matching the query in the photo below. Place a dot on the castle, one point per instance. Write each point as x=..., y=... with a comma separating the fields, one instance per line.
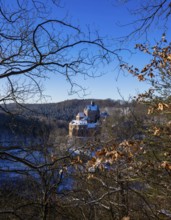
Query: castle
x=86, y=123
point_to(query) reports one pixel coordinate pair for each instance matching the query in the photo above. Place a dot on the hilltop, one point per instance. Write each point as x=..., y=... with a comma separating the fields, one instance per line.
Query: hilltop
x=65, y=110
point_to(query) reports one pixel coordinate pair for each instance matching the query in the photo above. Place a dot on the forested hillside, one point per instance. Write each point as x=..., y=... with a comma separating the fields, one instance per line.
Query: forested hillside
x=32, y=120
x=65, y=110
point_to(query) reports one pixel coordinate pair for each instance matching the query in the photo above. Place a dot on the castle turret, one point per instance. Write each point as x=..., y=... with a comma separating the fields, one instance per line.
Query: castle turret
x=92, y=112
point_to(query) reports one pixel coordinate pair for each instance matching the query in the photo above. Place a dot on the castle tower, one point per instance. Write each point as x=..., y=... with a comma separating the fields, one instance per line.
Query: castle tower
x=92, y=112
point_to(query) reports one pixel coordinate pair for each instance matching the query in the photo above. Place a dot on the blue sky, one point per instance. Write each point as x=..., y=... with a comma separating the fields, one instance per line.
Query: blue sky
x=106, y=16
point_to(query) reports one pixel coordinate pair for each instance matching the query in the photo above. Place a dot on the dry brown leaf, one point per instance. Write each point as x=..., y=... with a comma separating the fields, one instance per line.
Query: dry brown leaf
x=151, y=75
x=126, y=218
x=166, y=165
x=141, y=77
x=157, y=131
x=160, y=106
x=150, y=110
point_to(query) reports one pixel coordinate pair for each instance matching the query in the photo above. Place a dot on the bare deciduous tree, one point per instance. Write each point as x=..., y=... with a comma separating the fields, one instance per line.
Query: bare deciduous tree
x=34, y=44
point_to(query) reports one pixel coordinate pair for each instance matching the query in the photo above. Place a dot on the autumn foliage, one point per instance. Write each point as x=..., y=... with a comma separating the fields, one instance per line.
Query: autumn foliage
x=142, y=168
